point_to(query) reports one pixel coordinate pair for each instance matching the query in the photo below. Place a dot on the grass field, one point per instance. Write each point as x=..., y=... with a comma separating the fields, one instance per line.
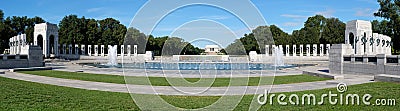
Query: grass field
x=22, y=95
x=161, y=81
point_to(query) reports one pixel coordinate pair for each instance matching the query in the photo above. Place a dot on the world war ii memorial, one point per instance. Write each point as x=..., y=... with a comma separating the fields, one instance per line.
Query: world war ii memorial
x=206, y=62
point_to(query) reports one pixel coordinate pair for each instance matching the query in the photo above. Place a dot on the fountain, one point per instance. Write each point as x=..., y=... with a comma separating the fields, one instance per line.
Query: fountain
x=112, y=56
x=278, y=56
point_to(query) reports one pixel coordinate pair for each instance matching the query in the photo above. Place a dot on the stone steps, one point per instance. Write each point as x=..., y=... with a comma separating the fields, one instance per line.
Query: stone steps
x=387, y=78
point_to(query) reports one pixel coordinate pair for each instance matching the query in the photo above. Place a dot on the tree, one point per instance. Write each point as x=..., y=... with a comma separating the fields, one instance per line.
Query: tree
x=112, y=32
x=174, y=46
x=1, y=15
x=319, y=30
x=4, y=33
x=312, y=28
x=263, y=36
x=389, y=10
x=235, y=48
x=135, y=37
x=333, y=31
x=254, y=41
x=382, y=27
x=279, y=36
x=189, y=49
x=19, y=24
x=92, y=31
x=69, y=31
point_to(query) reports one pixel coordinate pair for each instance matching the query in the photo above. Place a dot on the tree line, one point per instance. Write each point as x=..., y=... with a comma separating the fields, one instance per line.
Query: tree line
x=317, y=30
x=80, y=30
x=75, y=30
x=320, y=30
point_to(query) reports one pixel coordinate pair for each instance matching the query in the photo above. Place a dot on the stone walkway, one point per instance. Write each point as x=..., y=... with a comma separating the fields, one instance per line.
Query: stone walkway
x=195, y=91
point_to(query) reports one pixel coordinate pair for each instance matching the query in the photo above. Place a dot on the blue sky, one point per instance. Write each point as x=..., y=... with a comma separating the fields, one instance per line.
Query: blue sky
x=197, y=21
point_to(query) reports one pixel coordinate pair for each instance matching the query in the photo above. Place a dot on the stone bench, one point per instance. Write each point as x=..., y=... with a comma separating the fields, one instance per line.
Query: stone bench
x=387, y=78
x=323, y=74
x=30, y=69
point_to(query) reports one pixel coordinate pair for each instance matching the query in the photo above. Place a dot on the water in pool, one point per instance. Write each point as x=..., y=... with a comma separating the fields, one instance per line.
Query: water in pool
x=194, y=66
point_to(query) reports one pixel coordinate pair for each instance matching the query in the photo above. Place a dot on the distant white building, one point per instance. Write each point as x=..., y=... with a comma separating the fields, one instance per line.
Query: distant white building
x=212, y=49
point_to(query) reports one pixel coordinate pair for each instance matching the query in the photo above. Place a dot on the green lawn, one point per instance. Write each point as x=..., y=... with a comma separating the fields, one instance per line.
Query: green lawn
x=161, y=81
x=22, y=95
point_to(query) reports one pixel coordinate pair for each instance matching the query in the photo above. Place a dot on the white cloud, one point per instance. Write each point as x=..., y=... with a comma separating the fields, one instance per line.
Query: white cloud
x=291, y=24
x=293, y=16
x=326, y=13
x=214, y=17
x=367, y=12
x=94, y=9
x=369, y=1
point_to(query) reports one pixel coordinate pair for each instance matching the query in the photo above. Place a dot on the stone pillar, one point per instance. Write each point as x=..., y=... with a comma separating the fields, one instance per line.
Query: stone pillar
x=373, y=47
x=12, y=50
x=301, y=50
x=365, y=58
x=89, y=49
x=122, y=50
x=287, y=50
x=383, y=44
x=294, y=50
x=10, y=44
x=273, y=50
x=321, y=49
x=83, y=50
x=116, y=50
x=266, y=50
x=280, y=47
x=398, y=59
x=109, y=50
x=76, y=49
x=308, y=49
x=314, y=49
x=64, y=49
x=19, y=44
x=327, y=48
x=116, y=46
x=45, y=47
x=24, y=40
x=352, y=58
x=69, y=49
x=16, y=44
x=102, y=50
x=379, y=44
x=128, y=51
x=96, y=50
x=59, y=50
x=135, y=53
x=336, y=57
x=381, y=62
x=56, y=45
